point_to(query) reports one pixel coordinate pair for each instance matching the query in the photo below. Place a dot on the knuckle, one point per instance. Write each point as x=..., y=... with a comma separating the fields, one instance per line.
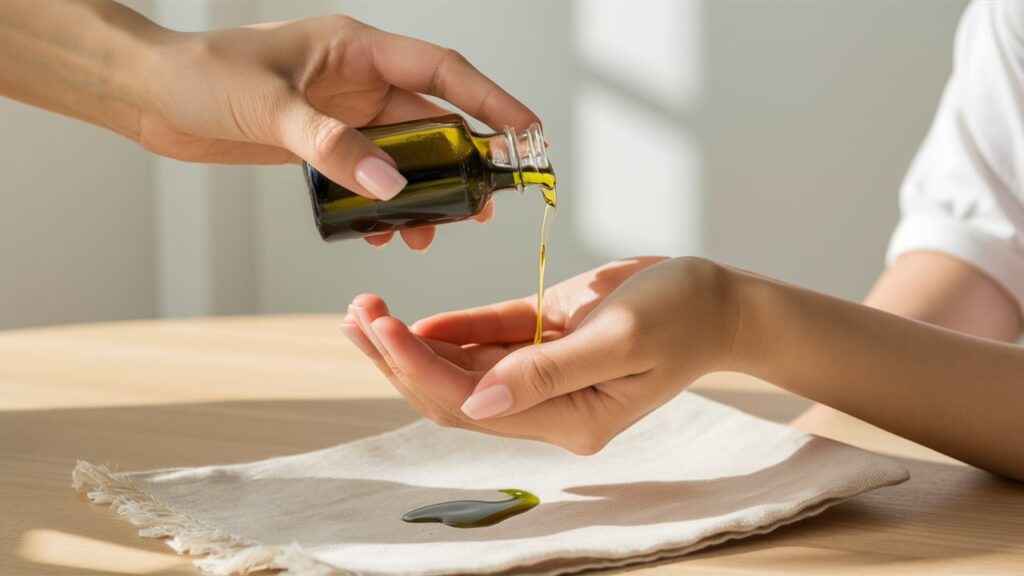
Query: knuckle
x=542, y=375
x=330, y=137
x=453, y=56
x=595, y=424
x=702, y=275
x=339, y=21
x=586, y=442
x=625, y=320
x=449, y=58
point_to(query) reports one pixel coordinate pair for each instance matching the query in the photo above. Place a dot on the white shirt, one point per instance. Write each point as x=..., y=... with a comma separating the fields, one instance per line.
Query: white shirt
x=964, y=192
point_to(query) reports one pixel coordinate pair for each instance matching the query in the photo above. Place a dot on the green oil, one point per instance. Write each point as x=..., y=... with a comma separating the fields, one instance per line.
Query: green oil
x=550, y=204
x=451, y=171
x=475, y=513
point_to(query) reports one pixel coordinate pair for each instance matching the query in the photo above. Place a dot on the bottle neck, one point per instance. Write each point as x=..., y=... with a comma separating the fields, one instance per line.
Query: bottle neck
x=519, y=160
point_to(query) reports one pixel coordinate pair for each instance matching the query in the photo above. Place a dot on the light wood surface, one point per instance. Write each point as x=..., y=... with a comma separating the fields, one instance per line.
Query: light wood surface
x=213, y=391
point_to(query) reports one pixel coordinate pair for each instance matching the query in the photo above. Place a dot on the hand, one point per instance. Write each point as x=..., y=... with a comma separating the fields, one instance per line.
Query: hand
x=620, y=341
x=276, y=93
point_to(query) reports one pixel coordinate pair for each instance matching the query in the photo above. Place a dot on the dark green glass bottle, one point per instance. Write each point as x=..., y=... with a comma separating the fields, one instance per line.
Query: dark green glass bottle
x=452, y=173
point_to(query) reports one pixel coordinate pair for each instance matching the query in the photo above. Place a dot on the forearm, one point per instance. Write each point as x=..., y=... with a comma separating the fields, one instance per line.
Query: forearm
x=945, y=291
x=80, y=58
x=955, y=393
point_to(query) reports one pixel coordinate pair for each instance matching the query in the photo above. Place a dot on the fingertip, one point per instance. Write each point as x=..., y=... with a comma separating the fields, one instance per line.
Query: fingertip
x=379, y=177
x=389, y=327
x=419, y=239
x=487, y=214
x=373, y=304
x=489, y=402
x=379, y=240
x=428, y=327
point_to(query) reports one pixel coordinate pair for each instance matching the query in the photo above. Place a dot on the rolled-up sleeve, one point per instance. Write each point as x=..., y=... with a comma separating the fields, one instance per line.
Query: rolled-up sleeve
x=964, y=192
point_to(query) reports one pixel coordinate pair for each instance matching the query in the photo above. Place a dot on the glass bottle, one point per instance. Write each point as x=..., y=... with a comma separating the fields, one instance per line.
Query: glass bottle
x=452, y=173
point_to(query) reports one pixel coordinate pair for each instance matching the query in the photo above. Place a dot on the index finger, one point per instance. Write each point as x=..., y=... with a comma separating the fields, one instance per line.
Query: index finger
x=510, y=321
x=427, y=68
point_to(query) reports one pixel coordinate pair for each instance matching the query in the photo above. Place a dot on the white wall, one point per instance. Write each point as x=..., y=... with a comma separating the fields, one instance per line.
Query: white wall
x=75, y=221
x=813, y=113
x=771, y=135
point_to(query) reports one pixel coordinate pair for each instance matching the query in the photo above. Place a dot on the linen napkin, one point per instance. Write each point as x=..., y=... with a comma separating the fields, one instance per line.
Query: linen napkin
x=691, y=474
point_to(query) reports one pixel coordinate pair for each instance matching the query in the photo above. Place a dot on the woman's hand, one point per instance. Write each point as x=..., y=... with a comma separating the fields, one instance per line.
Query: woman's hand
x=280, y=92
x=619, y=341
x=265, y=94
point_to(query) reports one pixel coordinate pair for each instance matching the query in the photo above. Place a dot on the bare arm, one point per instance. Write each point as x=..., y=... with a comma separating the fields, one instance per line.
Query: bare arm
x=632, y=334
x=940, y=290
x=261, y=94
x=77, y=58
x=959, y=394
x=947, y=292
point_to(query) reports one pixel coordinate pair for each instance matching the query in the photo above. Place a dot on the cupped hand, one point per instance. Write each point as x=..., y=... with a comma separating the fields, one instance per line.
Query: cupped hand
x=277, y=93
x=620, y=341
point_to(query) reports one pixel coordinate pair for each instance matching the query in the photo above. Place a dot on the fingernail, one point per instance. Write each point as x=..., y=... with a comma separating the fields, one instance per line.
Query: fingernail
x=379, y=178
x=420, y=250
x=488, y=403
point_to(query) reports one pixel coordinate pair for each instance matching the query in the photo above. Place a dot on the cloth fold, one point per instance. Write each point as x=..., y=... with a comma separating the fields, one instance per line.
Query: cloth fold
x=691, y=474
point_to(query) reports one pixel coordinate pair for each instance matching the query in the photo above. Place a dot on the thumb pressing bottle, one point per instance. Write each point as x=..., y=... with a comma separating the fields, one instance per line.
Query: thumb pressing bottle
x=452, y=173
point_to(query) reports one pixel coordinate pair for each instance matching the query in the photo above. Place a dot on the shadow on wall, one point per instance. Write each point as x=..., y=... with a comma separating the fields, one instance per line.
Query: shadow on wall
x=769, y=135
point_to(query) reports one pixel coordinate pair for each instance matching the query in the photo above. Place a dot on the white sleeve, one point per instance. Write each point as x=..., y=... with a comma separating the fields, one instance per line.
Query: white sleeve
x=964, y=192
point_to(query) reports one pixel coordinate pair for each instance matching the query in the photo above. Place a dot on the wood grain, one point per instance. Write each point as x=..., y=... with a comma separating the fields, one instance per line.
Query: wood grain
x=192, y=392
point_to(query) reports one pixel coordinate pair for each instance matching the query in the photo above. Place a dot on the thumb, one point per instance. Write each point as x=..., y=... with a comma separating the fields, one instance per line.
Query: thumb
x=339, y=152
x=534, y=374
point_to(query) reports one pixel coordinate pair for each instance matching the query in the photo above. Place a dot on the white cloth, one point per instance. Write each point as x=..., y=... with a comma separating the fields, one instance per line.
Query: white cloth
x=692, y=474
x=964, y=192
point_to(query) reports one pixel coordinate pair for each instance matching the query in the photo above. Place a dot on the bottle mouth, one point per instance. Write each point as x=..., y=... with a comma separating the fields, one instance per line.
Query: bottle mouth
x=527, y=152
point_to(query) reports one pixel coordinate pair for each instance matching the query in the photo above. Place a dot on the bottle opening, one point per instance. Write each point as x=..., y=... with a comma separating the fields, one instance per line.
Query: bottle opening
x=527, y=155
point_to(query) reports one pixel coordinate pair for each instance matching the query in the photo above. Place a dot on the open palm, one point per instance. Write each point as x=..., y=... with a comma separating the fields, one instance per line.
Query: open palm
x=438, y=363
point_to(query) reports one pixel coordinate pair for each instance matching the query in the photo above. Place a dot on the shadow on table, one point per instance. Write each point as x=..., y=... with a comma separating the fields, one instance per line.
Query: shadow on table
x=933, y=511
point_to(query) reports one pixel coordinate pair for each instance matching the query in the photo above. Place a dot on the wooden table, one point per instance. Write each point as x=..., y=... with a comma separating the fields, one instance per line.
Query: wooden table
x=213, y=391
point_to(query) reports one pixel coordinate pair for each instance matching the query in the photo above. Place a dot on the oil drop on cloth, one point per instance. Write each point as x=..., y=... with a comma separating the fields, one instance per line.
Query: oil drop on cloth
x=691, y=474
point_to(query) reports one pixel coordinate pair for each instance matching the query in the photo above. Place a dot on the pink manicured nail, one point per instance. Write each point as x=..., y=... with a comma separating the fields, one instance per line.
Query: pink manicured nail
x=379, y=178
x=488, y=403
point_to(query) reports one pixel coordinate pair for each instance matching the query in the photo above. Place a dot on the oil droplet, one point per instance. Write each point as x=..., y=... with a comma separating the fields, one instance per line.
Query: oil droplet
x=475, y=513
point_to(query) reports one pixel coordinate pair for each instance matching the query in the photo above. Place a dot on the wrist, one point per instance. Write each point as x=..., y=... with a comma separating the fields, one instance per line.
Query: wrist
x=745, y=310
x=712, y=302
x=134, y=50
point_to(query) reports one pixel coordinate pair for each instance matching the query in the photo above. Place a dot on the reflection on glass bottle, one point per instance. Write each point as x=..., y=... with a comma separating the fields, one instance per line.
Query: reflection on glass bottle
x=451, y=170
